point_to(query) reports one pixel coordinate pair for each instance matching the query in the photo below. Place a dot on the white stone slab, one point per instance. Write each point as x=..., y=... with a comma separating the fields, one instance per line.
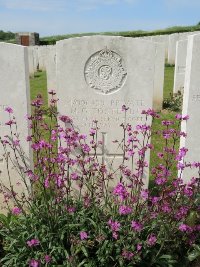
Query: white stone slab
x=36, y=58
x=191, y=105
x=51, y=70
x=164, y=39
x=97, y=75
x=42, y=57
x=159, y=73
x=159, y=76
x=180, y=65
x=31, y=60
x=173, y=38
x=15, y=93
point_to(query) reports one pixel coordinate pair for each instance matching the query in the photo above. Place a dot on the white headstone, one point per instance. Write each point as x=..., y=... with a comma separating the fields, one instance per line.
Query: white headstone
x=164, y=39
x=173, y=38
x=96, y=76
x=43, y=53
x=159, y=73
x=31, y=60
x=35, y=58
x=15, y=93
x=159, y=76
x=51, y=69
x=42, y=56
x=191, y=105
x=180, y=64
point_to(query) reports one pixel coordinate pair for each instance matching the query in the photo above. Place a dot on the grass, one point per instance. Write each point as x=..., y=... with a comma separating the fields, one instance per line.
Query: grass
x=39, y=86
x=165, y=115
x=168, y=81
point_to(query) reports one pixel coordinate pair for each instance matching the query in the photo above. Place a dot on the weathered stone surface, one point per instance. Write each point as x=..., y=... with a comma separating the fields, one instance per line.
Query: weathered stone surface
x=96, y=76
x=163, y=39
x=173, y=38
x=51, y=69
x=180, y=64
x=14, y=90
x=159, y=76
x=191, y=105
x=31, y=55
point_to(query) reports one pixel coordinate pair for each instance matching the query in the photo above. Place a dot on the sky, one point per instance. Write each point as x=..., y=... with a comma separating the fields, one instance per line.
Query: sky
x=55, y=17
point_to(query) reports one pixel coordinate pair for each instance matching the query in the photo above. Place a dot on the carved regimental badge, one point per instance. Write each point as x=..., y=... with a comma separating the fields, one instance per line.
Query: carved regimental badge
x=104, y=72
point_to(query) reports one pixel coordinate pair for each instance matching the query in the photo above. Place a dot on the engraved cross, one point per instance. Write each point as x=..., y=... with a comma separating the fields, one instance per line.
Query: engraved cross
x=105, y=155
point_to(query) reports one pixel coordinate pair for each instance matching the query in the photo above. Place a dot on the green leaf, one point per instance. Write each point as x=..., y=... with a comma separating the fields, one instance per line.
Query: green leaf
x=84, y=251
x=82, y=263
x=193, y=255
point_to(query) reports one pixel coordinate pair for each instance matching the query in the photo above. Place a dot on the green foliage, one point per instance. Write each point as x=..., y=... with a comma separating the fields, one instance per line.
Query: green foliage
x=174, y=102
x=168, y=81
x=38, y=85
x=1, y=244
x=168, y=65
x=4, y=36
x=49, y=40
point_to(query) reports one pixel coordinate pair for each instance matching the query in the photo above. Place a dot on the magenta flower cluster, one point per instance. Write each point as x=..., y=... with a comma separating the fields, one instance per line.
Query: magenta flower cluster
x=88, y=204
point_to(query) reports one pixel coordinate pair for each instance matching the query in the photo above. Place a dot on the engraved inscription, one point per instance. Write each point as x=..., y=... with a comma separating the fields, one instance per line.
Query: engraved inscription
x=196, y=98
x=105, y=72
x=83, y=112
x=181, y=69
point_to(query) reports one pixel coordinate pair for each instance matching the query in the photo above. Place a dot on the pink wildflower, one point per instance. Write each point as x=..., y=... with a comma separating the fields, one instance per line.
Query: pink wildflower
x=114, y=225
x=47, y=258
x=71, y=209
x=124, y=210
x=83, y=235
x=33, y=242
x=139, y=247
x=144, y=194
x=16, y=211
x=65, y=119
x=115, y=235
x=151, y=241
x=74, y=176
x=184, y=228
x=34, y=263
x=127, y=255
x=136, y=226
x=9, y=109
x=120, y=191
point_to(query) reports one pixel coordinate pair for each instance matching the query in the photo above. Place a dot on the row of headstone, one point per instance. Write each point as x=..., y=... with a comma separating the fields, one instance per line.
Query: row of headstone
x=180, y=62
x=95, y=76
x=191, y=105
x=173, y=39
x=39, y=57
